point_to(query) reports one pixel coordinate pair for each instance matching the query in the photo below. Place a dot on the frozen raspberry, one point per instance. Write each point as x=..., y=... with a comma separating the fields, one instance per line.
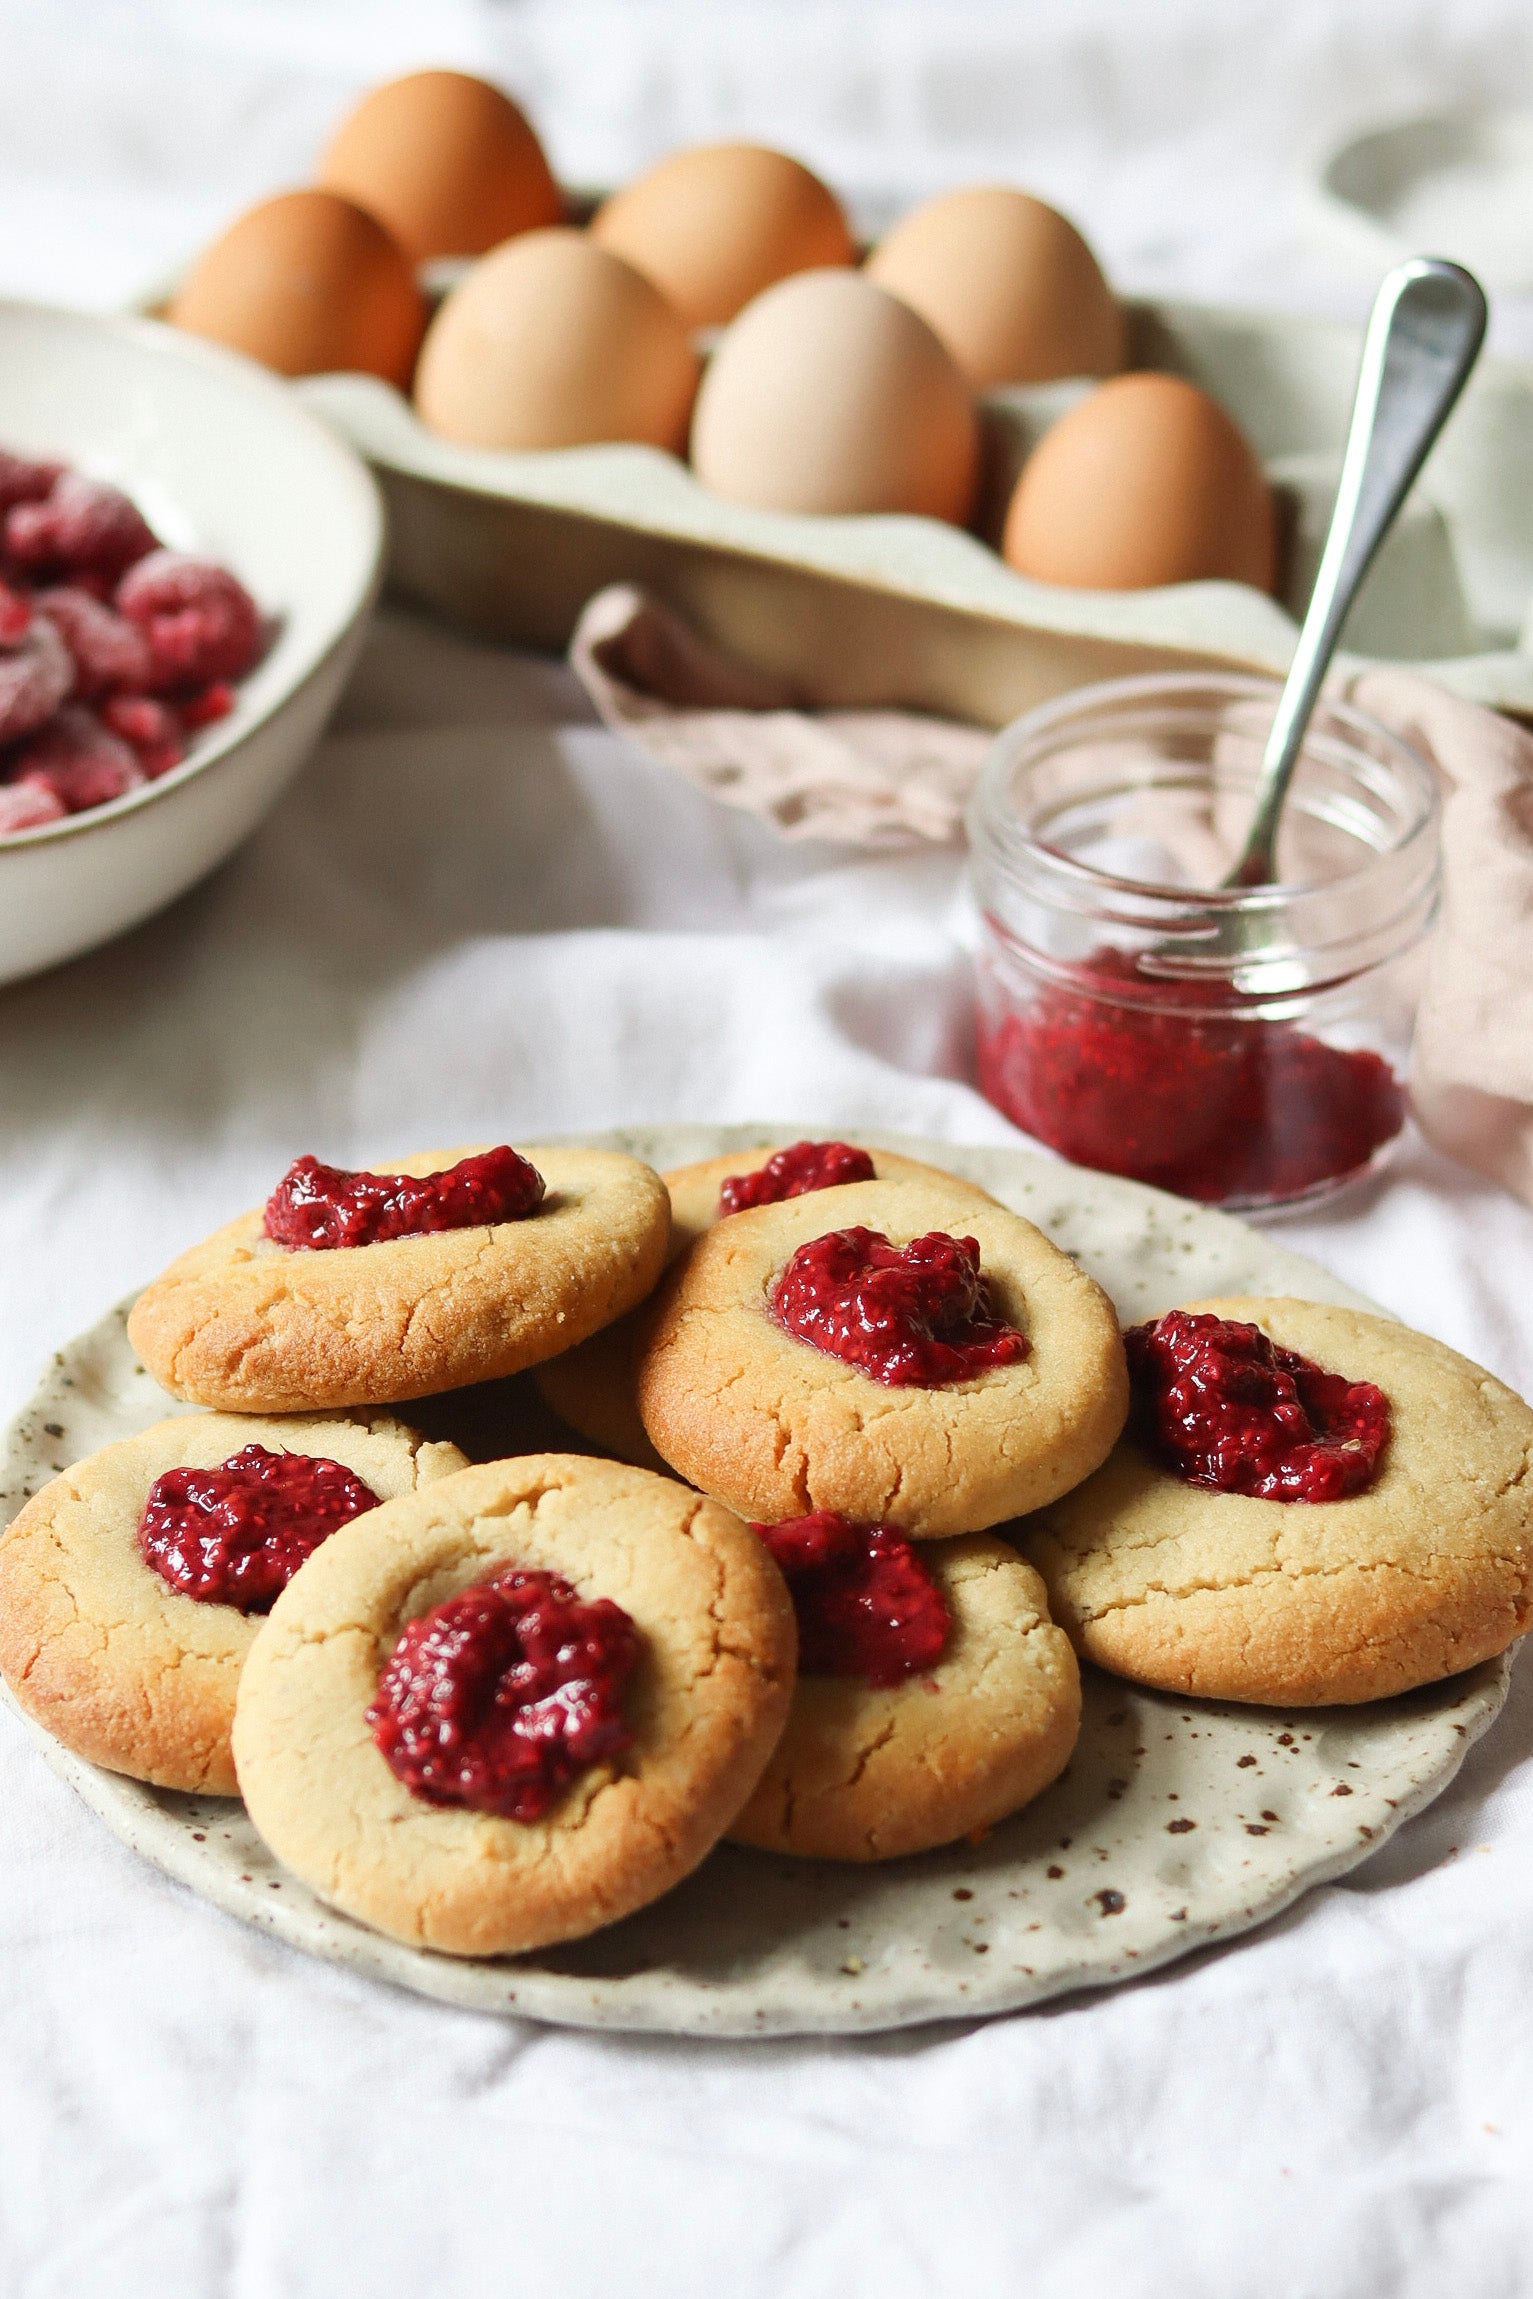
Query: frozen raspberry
x=201, y=623
x=153, y=729
x=82, y=530
x=82, y=762
x=23, y=481
x=15, y=615
x=111, y=655
x=202, y=709
x=23, y=806
x=35, y=676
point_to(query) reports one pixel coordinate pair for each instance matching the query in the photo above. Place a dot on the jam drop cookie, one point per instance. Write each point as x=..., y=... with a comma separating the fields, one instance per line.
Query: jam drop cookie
x=592, y=1387
x=247, y=1323
x=1287, y=1598
x=700, y=1709
x=775, y=1426
x=935, y=1696
x=117, y=1629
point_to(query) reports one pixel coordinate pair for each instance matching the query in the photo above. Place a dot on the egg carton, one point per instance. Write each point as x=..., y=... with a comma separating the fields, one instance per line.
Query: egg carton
x=905, y=611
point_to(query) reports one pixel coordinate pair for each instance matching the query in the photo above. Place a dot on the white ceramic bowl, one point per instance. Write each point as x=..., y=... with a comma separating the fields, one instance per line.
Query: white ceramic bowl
x=224, y=460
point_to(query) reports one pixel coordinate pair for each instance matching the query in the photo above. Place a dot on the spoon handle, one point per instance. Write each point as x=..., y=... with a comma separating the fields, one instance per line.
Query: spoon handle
x=1424, y=334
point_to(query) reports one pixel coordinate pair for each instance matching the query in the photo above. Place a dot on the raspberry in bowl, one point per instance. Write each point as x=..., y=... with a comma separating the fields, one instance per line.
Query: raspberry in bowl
x=189, y=560
x=136, y=649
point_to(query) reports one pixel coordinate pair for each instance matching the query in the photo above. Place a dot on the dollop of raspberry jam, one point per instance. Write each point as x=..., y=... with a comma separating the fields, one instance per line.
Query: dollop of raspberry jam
x=1222, y=1406
x=317, y=1207
x=1199, y=1098
x=236, y=1535
x=866, y=1605
x=795, y=1172
x=910, y=1316
x=497, y=1699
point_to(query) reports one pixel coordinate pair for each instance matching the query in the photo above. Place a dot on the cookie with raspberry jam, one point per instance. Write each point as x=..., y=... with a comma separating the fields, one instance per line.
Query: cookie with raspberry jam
x=888, y=1350
x=934, y=1696
x=514, y=1708
x=132, y=1586
x=1312, y=1506
x=593, y=1387
x=442, y=1269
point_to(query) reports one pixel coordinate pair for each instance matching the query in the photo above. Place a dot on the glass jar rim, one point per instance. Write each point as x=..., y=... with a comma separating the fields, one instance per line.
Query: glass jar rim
x=994, y=824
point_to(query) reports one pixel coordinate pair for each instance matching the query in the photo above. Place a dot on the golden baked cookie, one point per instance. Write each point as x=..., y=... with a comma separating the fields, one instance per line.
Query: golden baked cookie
x=777, y=1428
x=113, y=1659
x=864, y=1772
x=704, y=1704
x=1424, y=1573
x=592, y=1387
x=246, y=1325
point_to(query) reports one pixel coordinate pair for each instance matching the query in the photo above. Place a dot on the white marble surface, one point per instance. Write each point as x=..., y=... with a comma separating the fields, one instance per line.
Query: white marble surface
x=479, y=913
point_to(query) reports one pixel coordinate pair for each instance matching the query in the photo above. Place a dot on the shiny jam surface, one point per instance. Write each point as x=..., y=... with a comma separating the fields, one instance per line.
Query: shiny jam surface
x=318, y=1206
x=1205, y=1103
x=795, y=1172
x=866, y=1605
x=910, y=1316
x=236, y=1535
x=498, y=1698
x=1220, y=1405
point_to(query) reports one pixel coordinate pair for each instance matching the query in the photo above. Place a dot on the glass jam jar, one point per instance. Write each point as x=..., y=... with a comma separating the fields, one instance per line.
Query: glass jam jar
x=1246, y=1047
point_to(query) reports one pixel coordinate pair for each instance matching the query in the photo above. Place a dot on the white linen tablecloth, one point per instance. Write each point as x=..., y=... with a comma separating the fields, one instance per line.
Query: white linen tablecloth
x=479, y=914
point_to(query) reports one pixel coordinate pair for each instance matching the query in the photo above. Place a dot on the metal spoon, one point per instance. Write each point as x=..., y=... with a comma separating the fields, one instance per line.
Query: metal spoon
x=1424, y=335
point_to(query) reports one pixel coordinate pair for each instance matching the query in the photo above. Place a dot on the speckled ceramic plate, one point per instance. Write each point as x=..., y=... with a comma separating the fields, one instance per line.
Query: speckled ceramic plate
x=1177, y=1822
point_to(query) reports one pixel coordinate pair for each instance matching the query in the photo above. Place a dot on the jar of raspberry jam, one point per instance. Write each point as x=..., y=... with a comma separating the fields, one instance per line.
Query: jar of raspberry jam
x=1243, y=1047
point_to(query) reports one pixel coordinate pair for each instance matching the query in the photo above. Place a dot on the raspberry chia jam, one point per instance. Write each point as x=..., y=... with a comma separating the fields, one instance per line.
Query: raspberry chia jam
x=497, y=1699
x=866, y=1605
x=1219, y=1404
x=321, y=1207
x=910, y=1316
x=795, y=1172
x=1244, y=1047
x=235, y=1535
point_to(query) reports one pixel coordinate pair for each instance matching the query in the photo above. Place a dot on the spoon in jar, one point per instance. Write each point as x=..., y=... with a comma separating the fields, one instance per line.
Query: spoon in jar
x=1424, y=335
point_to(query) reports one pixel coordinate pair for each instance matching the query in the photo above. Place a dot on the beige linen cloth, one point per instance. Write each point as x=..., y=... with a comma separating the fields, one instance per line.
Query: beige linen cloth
x=889, y=778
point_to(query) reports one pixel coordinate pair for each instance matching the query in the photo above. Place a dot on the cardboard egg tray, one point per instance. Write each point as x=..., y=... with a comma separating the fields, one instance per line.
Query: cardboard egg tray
x=902, y=610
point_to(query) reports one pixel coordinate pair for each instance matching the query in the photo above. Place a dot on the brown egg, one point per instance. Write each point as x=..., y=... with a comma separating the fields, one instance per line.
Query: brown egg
x=829, y=395
x=1146, y=481
x=446, y=161
x=307, y=283
x=715, y=225
x=1009, y=285
x=552, y=341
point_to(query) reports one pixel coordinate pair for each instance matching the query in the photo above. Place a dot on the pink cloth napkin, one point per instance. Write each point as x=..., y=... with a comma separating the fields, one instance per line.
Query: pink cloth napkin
x=1472, y=1069
x=876, y=778
x=886, y=779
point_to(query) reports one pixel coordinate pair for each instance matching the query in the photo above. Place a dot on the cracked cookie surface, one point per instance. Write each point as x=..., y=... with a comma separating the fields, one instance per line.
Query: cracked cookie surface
x=868, y=1773
x=244, y=1325
x=594, y=1387
x=97, y=1647
x=1425, y=1573
x=705, y=1704
x=776, y=1428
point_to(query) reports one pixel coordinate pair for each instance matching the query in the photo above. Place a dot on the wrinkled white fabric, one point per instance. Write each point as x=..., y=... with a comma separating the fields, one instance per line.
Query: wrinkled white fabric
x=478, y=912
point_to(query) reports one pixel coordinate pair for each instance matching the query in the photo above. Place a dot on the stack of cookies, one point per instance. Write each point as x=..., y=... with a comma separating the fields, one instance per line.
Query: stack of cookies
x=872, y=1465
